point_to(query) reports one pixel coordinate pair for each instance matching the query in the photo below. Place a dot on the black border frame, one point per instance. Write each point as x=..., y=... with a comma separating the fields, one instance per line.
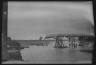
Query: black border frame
x=94, y=14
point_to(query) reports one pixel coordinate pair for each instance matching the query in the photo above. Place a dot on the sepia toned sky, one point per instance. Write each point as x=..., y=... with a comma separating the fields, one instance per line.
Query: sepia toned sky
x=30, y=20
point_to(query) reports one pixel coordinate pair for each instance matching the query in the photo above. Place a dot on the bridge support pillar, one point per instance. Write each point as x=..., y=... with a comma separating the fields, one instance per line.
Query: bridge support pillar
x=72, y=42
x=59, y=42
x=81, y=41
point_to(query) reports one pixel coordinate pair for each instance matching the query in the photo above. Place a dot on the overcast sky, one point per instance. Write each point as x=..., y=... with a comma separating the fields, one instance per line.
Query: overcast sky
x=30, y=20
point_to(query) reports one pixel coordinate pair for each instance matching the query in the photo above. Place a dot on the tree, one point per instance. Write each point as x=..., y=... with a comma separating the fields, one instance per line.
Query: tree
x=12, y=42
x=41, y=38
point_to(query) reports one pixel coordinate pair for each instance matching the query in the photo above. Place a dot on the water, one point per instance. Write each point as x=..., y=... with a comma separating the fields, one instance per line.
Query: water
x=49, y=54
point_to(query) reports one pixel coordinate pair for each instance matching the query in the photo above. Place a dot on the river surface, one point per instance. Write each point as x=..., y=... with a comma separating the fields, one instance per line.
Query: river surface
x=49, y=54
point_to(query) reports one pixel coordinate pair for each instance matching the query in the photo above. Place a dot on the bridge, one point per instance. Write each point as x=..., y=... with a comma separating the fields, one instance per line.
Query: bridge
x=71, y=37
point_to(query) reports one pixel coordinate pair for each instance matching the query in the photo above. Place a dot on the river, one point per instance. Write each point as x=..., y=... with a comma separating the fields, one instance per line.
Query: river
x=49, y=54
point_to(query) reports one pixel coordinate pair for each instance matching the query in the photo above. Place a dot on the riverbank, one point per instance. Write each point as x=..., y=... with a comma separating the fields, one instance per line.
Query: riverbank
x=14, y=55
x=87, y=49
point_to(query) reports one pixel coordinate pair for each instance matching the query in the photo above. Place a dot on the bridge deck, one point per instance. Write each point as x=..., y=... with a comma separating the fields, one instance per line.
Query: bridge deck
x=68, y=35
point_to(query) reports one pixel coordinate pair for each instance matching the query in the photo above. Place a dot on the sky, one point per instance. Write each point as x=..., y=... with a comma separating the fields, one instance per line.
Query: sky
x=30, y=20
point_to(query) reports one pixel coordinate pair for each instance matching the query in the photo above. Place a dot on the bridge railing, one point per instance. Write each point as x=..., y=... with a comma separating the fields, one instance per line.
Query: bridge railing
x=64, y=35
